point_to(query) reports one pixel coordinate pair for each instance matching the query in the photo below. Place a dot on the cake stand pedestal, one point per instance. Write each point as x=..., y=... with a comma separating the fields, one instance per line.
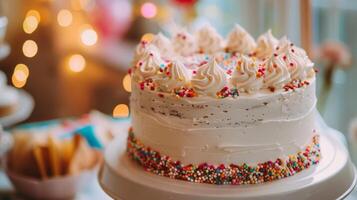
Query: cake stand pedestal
x=333, y=178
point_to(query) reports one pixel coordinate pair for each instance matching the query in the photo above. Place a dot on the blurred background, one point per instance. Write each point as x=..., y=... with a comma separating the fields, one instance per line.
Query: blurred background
x=77, y=52
x=72, y=56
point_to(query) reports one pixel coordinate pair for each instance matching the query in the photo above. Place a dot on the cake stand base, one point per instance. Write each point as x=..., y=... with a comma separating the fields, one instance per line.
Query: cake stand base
x=333, y=178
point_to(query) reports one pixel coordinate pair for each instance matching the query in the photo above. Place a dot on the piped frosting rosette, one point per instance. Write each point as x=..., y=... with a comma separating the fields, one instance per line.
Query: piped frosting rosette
x=174, y=76
x=184, y=43
x=276, y=73
x=163, y=44
x=247, y=76
x=149, y=64
x=239, y=40
x=208, y=65
x=296, y=59
x=266, y=45
x=208, y=40
x=209, y=79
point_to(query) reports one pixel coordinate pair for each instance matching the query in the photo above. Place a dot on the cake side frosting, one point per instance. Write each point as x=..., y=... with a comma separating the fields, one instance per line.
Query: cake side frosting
x=225, y=130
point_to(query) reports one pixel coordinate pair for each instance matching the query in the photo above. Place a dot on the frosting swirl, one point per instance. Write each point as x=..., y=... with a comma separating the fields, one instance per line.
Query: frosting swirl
x=163, y=44
x=296, y=59
x=139, y=51
x=266, y=45
x=149, y=65
x=276, y=72
x=176, y=75
x=239, y=40
x=297, y=65
x=209, y=79
x=246, y=77
x=184, y=43
x=208, y=40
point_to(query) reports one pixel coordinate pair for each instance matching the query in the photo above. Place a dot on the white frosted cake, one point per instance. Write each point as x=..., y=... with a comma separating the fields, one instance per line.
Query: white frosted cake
x=217, y=110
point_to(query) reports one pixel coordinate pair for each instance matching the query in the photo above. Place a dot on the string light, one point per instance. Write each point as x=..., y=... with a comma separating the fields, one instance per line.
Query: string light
x=22, y=68
x=64, y=18
x=89, y=37
x=127, y=83
x=29, y=48
x=76, y=63
x=121, y=110
x=34, y=13
x=30, y=24
x=148, y=10
x=20, y=75
x=148, y=37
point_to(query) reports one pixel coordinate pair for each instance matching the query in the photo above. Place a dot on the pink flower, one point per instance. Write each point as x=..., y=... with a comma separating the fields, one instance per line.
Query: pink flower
x=335, y=54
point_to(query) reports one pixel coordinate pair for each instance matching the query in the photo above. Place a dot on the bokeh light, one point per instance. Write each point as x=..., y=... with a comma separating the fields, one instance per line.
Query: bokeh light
x=89, y=37
x=121, y=110
x=148, y=10
x=76, y=63
x=148, y=37
x=22, y=68
x=20, y=75
x=29, y=48
x=30, y=24
x=64, y=18
x=127, y=83
x=34, y=13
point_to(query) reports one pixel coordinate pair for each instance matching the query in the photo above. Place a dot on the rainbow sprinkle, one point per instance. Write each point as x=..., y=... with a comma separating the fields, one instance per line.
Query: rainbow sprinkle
x=232, y=174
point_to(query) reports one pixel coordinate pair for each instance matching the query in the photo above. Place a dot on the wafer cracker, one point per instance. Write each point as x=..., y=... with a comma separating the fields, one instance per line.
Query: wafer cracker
x=84, y=157
x=20, y=158
x=67, y=148
x=39, y=153
x=54, y=156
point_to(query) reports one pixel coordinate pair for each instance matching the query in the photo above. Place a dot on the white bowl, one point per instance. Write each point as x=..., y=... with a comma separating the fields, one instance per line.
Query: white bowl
x=65, y=187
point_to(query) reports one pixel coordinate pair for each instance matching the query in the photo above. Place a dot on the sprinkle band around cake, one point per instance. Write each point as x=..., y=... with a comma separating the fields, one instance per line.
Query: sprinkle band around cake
x=232, y=174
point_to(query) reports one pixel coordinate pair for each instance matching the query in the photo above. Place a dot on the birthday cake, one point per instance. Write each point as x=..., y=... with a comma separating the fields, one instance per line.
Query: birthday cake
x=216, y=110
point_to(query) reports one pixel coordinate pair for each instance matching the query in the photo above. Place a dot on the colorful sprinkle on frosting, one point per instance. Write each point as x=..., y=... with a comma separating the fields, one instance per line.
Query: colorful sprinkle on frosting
x=232, y=174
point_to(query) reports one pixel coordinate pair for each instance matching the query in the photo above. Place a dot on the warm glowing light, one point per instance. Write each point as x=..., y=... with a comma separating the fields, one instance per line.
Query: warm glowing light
x=76, y=63
x=30, y=24
x=121, y=110
x=29, y=48
x=148, y=10
x=64, y=17
x=34, y=13
x=23, y=69
x=148, y=37
x=127, y=83
x=89, y=37
x=20, y=75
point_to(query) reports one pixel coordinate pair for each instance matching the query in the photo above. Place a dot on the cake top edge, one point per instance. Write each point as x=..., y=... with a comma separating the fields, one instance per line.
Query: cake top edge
x=206, y=64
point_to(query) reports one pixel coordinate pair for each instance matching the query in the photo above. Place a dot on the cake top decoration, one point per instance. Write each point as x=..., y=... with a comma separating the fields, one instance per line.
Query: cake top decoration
x=239, y=40
x=206, y=64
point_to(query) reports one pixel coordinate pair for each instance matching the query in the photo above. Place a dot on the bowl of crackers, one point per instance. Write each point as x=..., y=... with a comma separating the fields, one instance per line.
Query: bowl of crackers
x=45, y=166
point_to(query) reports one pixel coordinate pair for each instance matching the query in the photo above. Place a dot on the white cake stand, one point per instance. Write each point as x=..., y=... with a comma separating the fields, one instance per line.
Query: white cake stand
x=333, y=178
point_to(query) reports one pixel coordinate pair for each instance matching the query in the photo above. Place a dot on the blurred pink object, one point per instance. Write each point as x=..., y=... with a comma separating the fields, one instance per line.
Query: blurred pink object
x=335, y=54
x=112, y=18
